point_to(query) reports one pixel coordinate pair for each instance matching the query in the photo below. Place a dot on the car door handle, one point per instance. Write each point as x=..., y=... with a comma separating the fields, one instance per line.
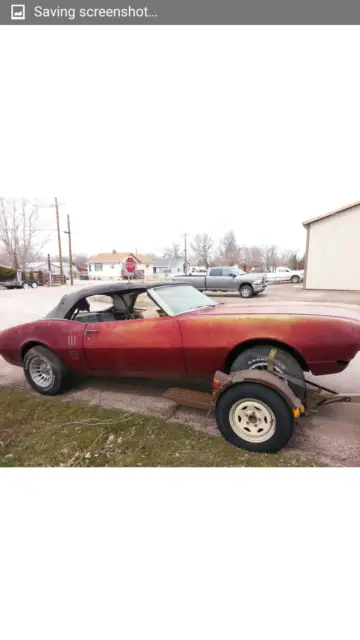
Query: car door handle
x=92, y=331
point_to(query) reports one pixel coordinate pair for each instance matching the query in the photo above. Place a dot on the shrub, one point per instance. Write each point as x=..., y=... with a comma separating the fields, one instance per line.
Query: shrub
x=40, y=276
x=23, y=275
x=7, y=274
x=31, y=276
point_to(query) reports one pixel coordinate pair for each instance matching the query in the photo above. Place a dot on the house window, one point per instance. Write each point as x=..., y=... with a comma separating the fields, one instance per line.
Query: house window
x=98, y=267
x=89, y=267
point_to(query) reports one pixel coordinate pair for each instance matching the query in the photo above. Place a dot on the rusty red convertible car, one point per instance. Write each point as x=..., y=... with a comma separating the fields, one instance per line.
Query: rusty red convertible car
x=171, y=330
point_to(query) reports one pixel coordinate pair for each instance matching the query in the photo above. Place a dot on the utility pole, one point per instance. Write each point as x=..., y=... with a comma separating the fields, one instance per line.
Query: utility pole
x=59, y=239
x=68, y=232
x=185, y=253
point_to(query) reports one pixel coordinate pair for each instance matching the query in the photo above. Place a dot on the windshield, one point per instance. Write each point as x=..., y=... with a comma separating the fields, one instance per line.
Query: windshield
x=180, y=299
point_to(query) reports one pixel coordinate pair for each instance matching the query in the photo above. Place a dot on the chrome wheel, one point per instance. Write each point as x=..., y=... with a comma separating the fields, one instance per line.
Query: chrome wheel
x=252, y=420
x=34, y=285
x=25, y=285
x=40, y=371
x=246, y=292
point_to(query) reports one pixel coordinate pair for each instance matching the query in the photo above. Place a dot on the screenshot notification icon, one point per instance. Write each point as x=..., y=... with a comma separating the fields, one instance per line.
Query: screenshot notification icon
x=17, y=12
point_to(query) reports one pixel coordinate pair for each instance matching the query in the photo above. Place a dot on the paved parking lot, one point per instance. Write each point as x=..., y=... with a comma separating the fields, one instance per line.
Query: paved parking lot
x=332, y=436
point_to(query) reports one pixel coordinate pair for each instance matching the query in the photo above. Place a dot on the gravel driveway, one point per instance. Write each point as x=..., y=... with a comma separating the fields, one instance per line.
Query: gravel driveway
x=332, y=436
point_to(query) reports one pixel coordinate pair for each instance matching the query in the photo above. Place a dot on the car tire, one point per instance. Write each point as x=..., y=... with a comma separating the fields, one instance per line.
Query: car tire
x=295, y=279
x=45, y=372
x=34, y=285
x=25, y=285
x=256, y=357
x=246, y=291
x=253, y=417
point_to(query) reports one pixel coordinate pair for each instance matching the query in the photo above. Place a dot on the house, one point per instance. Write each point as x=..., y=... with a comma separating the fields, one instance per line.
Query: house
x=42, y=265
x=332, y=246
x=111, y=266
x=167, y=267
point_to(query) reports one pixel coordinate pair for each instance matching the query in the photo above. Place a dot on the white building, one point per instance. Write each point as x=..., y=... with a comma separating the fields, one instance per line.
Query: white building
x=111, y=266
x=332, y=250
x=167, y=267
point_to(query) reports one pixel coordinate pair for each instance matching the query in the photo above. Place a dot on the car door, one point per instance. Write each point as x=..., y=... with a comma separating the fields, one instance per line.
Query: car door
x=215, y=281
x=149, y=347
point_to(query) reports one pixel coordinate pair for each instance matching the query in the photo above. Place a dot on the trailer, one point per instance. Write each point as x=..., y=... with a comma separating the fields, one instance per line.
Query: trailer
x=257, y=410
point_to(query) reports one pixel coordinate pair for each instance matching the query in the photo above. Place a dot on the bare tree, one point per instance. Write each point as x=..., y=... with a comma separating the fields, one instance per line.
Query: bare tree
x=230, y=252
x=19, y=231
x=173, y=252
x=270, y=256
x=202, y=247
x=252, y=257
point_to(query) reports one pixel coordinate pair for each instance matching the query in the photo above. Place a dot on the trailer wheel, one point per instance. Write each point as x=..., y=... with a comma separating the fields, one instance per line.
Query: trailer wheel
x=253, y=417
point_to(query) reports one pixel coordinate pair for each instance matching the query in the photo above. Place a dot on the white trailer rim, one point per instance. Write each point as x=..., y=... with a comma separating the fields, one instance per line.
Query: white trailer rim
x=252, y=420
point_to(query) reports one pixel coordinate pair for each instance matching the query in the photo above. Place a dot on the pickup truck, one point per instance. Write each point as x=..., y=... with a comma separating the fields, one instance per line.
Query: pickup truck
x=284, y=274
x=226, y=279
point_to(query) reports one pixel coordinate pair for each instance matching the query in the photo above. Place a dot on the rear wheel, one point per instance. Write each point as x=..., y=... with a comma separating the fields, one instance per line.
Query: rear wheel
x=257, y=357
x=25, y=285
x=254, y=417
x=246, y=291
x=45, y=372
x=34, y=285
x=295, y=279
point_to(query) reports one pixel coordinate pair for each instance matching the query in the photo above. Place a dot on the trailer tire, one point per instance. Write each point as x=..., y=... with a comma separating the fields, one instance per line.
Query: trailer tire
x=257, y=357
x=253, y=417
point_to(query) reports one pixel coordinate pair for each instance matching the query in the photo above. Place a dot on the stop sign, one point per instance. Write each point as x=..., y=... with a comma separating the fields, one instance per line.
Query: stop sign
x=130, y=265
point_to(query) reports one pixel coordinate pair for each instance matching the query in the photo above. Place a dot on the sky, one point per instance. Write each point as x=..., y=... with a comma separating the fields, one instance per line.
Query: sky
x=145, y=133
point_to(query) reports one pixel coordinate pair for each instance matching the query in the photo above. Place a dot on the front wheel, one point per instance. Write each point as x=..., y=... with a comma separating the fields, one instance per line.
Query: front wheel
x=246, y=291
x=253, y=417
x=34, y=285
x=294, y=279
x=45, y=372
x=257, y=357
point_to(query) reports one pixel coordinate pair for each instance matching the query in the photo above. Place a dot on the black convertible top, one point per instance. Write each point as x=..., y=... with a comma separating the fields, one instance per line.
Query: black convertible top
x=69, y=300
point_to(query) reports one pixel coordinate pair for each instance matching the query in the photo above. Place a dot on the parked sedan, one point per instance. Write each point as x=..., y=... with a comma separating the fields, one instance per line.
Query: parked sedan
x=173, y=330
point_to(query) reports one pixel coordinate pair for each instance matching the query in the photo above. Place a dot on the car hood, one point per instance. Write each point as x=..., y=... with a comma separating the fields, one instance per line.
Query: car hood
x=349, y=312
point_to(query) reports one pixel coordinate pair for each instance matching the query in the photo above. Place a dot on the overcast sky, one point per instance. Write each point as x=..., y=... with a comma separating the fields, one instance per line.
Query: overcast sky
x=145, y=133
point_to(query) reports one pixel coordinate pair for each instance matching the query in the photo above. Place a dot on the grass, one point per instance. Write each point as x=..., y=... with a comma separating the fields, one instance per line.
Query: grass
x=43, y=432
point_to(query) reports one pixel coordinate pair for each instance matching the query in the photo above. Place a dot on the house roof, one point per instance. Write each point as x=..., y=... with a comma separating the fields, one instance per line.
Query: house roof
x=114, y=256
x=331, y=213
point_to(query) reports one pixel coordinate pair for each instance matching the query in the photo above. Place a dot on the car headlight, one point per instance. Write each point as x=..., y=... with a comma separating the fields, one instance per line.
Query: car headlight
x=258, y=281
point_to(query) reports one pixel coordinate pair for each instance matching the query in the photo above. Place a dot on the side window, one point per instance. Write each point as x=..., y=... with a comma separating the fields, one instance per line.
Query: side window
x=99, y=303
x=88, y=309
x=216, y=272
x=143, y=301
x=226, y=272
